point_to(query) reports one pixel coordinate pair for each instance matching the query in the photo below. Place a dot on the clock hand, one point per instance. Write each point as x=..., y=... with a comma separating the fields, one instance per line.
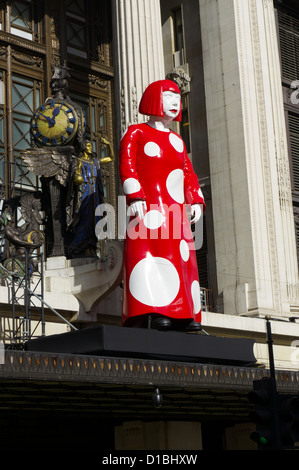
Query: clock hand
x=49, y=120
x=55, y=113
x=46, y=117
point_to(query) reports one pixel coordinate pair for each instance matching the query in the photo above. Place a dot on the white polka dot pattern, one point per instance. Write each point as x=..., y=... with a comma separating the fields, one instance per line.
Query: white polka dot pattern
x=160, y=272
x=184, y=250
x=175, y=185
x=176, y=142
x=154, y=281
x=200, y=193
x=151, y=149
x=153, y=219
x=195, y=293
x=131, y=185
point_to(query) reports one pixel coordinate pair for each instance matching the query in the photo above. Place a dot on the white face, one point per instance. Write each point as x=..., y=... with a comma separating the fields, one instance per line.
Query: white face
x=171, y=104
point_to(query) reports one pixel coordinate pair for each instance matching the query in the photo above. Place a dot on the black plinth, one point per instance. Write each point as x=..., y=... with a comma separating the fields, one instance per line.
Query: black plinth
x=107, y=340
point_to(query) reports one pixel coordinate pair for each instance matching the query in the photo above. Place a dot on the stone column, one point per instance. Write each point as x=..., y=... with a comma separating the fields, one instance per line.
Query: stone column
x=138, y=53
x=251, y=192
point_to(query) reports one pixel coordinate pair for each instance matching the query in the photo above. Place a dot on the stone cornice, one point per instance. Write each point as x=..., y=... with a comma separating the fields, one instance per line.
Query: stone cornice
x=27, y=365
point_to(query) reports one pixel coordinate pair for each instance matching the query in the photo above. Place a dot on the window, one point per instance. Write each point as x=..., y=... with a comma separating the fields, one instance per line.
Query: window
x=25, y=100
x=2, y=129
x=288, y=33
x=289, y=44
x=178, y=35
x=76, y=28
x=85, y=28
x=293, y=125
x=185, y=124
x=178, y=29
x=24, y=19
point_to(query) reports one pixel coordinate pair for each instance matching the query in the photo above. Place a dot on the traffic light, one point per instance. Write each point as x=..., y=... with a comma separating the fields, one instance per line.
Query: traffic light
x=288, y=420
x=264, y=415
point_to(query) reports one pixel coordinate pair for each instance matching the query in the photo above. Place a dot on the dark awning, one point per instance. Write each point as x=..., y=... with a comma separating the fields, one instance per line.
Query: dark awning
x=123, y=388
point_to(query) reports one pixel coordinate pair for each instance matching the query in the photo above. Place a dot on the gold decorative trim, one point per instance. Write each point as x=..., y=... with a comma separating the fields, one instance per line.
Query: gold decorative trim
x=21, y=42
x=33, y=61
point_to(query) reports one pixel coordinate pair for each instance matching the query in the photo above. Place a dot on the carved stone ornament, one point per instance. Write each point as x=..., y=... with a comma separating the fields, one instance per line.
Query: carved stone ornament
x=181, y=78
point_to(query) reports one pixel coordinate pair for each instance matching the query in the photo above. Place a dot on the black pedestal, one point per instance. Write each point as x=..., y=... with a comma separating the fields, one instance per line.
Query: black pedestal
x=107, y=340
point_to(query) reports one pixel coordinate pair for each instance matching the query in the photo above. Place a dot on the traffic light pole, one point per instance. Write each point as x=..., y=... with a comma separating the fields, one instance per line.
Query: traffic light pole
x=270, y=350
x=276, y=415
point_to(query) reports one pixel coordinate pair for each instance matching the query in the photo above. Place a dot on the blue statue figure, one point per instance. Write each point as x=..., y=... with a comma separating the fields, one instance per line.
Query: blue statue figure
x=85, y=193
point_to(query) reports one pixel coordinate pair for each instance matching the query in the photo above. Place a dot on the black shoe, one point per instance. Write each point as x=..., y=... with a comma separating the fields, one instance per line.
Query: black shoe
x=161, y=323
x=193, y=326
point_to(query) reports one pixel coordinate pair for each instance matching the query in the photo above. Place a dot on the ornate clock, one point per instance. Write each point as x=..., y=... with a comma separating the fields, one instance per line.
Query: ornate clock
x=54, y=123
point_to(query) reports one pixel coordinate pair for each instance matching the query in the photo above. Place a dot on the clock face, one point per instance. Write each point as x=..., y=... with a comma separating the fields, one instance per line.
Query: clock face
x=54, y=123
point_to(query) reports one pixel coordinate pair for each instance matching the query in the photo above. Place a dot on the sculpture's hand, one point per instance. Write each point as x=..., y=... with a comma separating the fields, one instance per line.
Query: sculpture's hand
x=138, y=208
x=196, y=213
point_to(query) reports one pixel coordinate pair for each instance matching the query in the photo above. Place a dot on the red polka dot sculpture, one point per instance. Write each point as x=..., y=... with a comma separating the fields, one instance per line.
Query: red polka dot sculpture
x=161, y=286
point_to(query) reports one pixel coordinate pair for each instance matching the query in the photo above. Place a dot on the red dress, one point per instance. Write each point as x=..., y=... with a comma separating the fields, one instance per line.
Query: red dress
x=160, y=267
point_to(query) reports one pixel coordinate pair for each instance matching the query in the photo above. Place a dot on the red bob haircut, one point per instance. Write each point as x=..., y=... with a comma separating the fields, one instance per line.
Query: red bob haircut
x=151, y=102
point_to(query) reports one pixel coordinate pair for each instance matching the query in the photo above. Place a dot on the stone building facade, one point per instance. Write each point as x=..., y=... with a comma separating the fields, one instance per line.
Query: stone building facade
x=237, y=64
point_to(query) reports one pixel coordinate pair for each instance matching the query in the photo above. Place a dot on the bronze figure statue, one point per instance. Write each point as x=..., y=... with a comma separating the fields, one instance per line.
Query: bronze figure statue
x=58, y=153
x=28, y=237
x=54, y=166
